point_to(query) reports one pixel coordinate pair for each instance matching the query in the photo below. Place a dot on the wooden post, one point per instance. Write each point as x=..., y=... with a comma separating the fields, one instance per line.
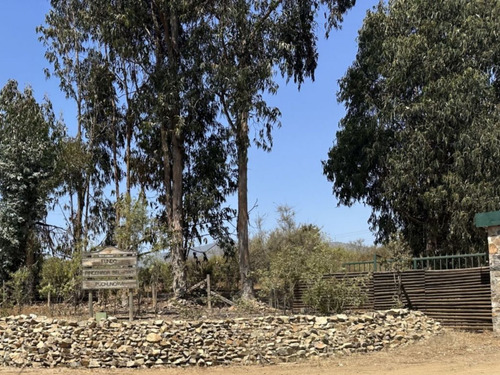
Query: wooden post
x=153, y=295
x=91, y=306
x=130, y=305
x=209, y=299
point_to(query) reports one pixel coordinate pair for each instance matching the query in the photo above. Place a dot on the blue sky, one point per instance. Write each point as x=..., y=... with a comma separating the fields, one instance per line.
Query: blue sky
x=291, y=174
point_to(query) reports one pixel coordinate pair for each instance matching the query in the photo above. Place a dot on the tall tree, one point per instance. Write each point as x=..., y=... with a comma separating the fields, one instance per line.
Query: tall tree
x=253, y=38
x=65, y=42
x=156, y=52
x=29, y=142
x=419, y=141
x=87, y=74
x=179, y=129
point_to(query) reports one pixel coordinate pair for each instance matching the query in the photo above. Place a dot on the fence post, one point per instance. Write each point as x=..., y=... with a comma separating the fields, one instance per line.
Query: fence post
x=153, y=296
x=130, y=305
x=91, y=306
x=374, y=262
x=209, y=298
x=48, y=299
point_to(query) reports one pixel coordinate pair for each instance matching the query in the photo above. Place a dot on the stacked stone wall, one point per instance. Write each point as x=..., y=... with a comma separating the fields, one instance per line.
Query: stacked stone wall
x=46, y=342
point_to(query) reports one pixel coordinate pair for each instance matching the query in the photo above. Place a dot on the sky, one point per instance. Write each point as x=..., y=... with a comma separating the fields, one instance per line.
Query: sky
x=291, y=174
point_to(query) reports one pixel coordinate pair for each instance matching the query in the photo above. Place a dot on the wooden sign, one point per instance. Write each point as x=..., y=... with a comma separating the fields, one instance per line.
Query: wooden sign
x=109, y=268
x=109, y=284
x=97, y=273
x=109, y=262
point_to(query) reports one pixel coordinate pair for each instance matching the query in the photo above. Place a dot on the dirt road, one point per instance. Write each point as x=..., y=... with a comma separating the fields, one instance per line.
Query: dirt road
x=453, y=353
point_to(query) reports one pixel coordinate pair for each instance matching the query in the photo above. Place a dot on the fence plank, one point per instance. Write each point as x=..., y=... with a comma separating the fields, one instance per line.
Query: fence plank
x=457, y=298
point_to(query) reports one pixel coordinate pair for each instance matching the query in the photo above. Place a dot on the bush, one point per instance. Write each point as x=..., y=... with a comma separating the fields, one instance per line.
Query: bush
x=61, y=278
x=295, y=253
x=19, y=285
x=223, y=271
x=155, y=271
x=329, y=295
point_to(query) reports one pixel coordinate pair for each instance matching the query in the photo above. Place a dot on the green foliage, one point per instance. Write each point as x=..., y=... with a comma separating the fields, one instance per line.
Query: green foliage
x=223, y=271
x=419, y=141
x=19, y=285
x=399, y=252
x=84, y=76
x=329, y=295
x=60, y=278
x=253, y=39
x=289, y=254
x=155, y=271
x=135, y=226
x=29, y=140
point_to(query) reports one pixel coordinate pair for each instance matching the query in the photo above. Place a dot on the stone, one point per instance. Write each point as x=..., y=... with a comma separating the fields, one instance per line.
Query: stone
x=204, y=343
x=320, y=345
x=153, y=337
x=321, y=321
x=66, y=343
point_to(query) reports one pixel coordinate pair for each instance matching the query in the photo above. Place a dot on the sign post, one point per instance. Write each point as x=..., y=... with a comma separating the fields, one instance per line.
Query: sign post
x=109, y=268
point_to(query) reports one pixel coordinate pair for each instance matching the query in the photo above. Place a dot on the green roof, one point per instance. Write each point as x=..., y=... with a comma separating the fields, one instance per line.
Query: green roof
x=487, y=219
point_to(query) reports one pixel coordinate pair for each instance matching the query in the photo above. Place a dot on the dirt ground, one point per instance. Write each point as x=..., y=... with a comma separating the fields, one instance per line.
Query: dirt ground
x=453, y=353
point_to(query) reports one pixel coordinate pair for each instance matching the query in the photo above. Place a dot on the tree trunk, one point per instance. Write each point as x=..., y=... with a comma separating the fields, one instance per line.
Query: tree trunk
x=116, y=169
x=167, y=169
x=80, y=203
x=242, y=224
x=80, y=193
x=30, y=264
x=177, y=249
x=170, y=23
x=128, y=124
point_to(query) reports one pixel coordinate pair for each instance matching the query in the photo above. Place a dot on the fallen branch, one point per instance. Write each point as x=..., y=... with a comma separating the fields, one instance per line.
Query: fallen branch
x=196, y=286
x=223, y=299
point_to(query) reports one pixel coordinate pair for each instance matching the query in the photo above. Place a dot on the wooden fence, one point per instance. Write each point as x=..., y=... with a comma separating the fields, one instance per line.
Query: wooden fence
x=457, y=298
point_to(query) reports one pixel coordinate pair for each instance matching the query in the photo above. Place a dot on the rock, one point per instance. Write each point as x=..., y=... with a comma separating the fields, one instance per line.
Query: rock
x=26, y=341
x=320, y=345
x=342, y=317
x=66, y=343
x=321, y=321
x=153, y=337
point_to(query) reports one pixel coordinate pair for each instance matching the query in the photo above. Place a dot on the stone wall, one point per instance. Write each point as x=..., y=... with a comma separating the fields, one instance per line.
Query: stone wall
x=40, y=341
x=494, y=258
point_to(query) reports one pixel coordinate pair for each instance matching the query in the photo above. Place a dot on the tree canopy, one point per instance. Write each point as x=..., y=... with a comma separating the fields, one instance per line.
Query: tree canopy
x=420, y=139
x=29, y=141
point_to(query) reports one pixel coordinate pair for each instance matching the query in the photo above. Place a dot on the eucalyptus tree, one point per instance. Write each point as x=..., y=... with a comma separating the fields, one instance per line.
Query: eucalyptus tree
x=253, y=39
x=81, y=63
x=30, y=137
x=65, y=42
x=420, y=140
x=157, y=56
x=181, y=149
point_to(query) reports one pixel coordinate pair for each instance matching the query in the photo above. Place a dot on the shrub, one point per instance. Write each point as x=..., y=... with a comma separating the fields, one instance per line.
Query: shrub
x=295, y=253
x=19, y=285
x=61, y=278
x=330, y=295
